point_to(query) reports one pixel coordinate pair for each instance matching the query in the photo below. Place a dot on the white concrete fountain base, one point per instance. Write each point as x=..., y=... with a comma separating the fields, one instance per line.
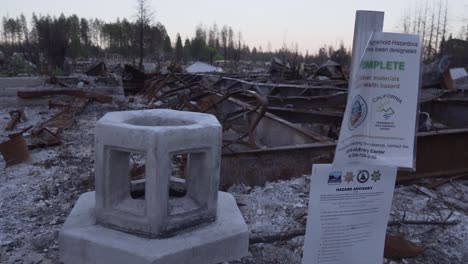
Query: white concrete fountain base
x=84, y=242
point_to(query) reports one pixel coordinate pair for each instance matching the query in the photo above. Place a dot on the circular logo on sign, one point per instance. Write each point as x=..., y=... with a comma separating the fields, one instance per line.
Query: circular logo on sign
x=358, y=112
x=386, y=104
x=363, y=176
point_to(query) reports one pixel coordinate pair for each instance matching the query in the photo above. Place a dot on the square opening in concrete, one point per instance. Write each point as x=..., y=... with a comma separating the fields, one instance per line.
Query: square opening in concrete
x=127, y=190
x=187, y=169
x=178, y=180
x=137, y=176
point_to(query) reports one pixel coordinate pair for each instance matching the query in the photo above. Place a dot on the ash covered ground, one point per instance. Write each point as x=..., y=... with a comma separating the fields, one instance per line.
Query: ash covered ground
x=37, y=196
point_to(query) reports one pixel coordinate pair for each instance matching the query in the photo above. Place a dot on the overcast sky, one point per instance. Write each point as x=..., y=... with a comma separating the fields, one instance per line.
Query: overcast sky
x=309, y=23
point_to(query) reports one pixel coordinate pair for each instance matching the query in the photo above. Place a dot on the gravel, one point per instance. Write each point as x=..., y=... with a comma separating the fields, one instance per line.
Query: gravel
x=37, y=196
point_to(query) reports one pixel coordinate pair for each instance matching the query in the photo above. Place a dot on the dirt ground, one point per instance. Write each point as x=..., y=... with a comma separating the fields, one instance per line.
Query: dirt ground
x=37, y=196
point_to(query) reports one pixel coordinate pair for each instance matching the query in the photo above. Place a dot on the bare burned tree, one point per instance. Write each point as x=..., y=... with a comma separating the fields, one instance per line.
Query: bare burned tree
x=429, y=21
x=445, y=20
x=424, y=21
x=419, y=20
x=407, y=24
x=429, y=46
x=144, y=15
x=224, y=39
x=438, y=28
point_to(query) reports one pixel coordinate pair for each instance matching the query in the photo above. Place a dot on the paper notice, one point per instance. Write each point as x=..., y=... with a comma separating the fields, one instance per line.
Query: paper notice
x=379, y=124
x=348, y=214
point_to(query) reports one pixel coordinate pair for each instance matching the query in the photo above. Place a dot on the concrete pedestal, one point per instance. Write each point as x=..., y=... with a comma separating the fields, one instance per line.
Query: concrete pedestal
x=157, y=135
x=84, y=242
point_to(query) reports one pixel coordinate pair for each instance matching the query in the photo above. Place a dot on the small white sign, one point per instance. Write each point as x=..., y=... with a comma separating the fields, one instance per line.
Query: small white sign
x=379, y=123
x=348, y=214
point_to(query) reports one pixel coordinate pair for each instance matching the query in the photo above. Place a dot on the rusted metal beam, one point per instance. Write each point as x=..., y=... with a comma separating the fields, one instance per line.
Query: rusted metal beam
x=282, y=85
x=75, y=93
x=258, y=112
x=48, y=132
x=57, y=103
x=54, y=80
x=314, y=102
x=297, y=115
x=66, y=117
x=409, y=178
x=435, y=184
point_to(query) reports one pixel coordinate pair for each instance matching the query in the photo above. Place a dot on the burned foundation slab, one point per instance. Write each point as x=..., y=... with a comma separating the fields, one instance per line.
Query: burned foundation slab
x=11, y=87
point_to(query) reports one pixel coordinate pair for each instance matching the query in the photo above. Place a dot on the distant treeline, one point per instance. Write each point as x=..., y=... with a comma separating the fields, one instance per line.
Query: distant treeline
x=47, y=40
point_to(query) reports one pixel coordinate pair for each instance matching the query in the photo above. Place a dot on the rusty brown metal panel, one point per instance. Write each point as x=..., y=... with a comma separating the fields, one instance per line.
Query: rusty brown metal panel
x=260, y=166
x=295, y=115
x=440, y=151
x=15, y=150
x=338, y=100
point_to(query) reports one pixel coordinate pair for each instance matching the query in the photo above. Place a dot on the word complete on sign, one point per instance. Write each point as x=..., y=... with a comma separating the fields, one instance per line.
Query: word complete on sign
x=383, y=65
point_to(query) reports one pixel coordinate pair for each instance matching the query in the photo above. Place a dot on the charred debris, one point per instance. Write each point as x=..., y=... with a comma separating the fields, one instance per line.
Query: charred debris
x=278, y=119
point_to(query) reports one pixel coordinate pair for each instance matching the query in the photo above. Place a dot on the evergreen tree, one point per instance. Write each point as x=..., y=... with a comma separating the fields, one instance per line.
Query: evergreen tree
x=224, y=40
x=144, y=18
x=179, y=49
x=24, y=28
x=84, y=32
x=73, y=35
x=167, y=46
x=187, y=50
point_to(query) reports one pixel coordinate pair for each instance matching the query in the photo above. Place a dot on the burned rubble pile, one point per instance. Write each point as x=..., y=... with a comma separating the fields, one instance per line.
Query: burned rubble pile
x=274, y=127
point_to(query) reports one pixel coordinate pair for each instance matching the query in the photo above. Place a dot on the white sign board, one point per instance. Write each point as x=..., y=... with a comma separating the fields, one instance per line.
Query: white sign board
x=380, y=120
x=348, y=214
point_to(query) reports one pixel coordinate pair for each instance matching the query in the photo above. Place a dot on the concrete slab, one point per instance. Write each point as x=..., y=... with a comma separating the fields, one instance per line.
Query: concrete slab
x=34, y=81
x=10, y=86
x=84, y=242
